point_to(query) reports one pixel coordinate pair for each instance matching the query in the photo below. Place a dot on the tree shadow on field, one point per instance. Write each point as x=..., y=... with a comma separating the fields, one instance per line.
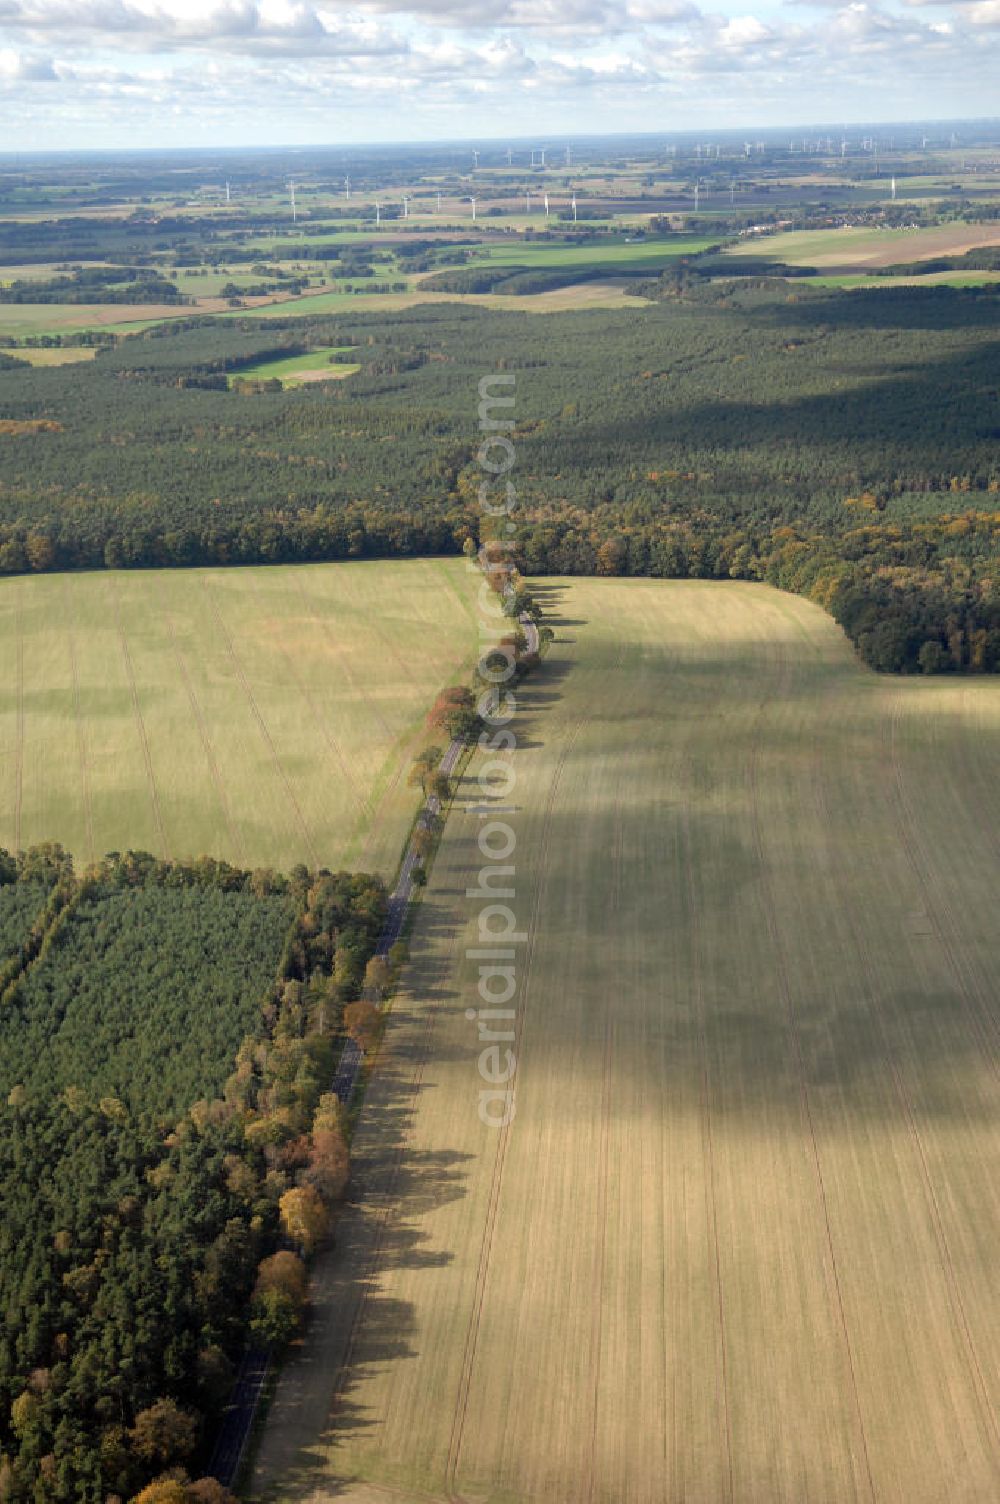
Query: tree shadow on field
x=359, y=1324
x=333, y=1387
x=551, y=599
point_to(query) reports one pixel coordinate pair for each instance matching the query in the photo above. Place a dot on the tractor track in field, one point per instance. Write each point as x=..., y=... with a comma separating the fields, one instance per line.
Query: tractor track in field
x=708, y=1145
x=319, y=721
x=198, y=717
x=875, y=997
x=604, y=1159
x=936, y=900
x=338, y=653
x=81, y=739
x=140, y=723
x=19, y=727
x=244, y=682
x=486, y=1249
x=365, y=826
x=785, y=988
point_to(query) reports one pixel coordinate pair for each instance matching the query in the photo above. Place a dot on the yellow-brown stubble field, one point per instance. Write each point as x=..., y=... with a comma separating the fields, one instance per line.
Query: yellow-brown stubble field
x=739, y=1242
x=266, y=716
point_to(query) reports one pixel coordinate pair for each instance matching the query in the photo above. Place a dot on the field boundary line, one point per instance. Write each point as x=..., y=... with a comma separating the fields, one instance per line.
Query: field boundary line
x=19, y=724
x=258, y=717
x=486, y=1247
x=935, y=898
x=140, y=723
x=203, y=733
x=81, y=737
x=784, y=984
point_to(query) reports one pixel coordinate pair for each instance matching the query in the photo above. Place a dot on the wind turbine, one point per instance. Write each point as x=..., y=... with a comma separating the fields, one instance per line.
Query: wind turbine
x=475, y=160
x=472, y=201
x=510, y=157
x=893, y=190
x=697, y=190
x=527, y=203
x=228, y=193
x=439, y=203
x=378, y=214
x=574, y=206
x=406, y=206
x=347, y=188
x=291, y=186
x=732, y=193
x=546, y=206
x=569, y=156
x=543, y=155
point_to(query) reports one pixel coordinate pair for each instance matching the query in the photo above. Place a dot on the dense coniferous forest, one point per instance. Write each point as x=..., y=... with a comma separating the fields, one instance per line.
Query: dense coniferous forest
x=682, y=438
x=167, y=1034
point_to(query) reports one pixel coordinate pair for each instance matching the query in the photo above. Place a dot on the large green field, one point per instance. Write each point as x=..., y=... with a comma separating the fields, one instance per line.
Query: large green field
x=739, y=1243
x=627, y=255
x=292, y=369
x=261, y=715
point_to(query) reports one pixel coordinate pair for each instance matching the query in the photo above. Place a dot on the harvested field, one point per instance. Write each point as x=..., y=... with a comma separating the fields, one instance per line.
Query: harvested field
x=739, y=1242
x=261, y=715
x=851, y=249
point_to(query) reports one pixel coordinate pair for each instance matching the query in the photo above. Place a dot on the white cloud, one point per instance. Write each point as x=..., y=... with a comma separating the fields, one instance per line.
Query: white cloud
x=983, y=13
x=744, y=31
x=15, y=67
x=579, y=64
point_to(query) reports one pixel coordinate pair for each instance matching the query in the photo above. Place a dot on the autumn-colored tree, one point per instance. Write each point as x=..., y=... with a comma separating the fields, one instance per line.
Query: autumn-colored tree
x=461, y=722
x=283, y=1271
x=378, y=972
x=329, y=1167
x=362, y=1020
x=40, y=551
x=24, y=1414
x=611, y=556
x=170, y=1489
x=278, y=1298
x=209, y=1491
x=422, y=841
x=304, y=1217
x=163, y=1433
x=424, y=765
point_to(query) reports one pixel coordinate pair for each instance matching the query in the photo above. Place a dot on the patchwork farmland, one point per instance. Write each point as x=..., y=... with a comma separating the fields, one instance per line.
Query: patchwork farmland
x=739, y=1242
x=261, y=715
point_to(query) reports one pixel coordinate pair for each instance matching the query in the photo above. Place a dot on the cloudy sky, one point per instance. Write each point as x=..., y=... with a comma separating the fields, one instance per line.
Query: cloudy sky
x=96, y=73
